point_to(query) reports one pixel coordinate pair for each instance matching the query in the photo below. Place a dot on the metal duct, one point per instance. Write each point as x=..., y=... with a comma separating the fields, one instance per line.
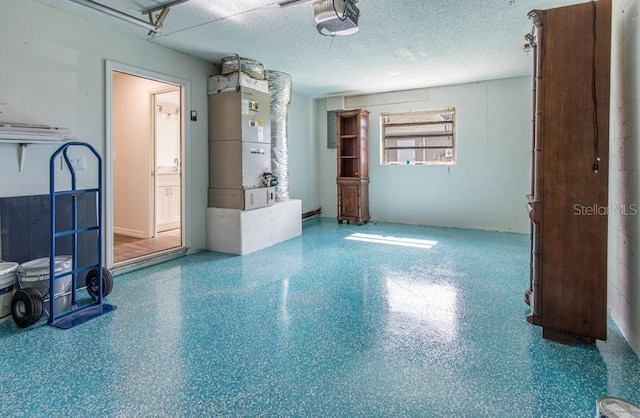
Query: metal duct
x=247, y=65
x=280, y=93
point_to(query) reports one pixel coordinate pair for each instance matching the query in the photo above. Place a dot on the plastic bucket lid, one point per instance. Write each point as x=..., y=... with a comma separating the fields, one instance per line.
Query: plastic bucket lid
x=7, y=282
x=7, y=272
x=610, y=407
x=38, y=269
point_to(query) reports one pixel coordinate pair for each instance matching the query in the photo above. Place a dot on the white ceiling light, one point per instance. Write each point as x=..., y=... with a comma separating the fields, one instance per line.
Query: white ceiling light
x=336, y=17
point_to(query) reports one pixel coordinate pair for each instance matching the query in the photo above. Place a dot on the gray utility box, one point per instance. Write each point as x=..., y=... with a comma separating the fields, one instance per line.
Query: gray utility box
x=239, y=149
x=244, y=199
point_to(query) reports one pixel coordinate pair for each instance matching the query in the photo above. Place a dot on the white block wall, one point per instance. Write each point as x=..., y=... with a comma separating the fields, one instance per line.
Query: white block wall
x=624, y=192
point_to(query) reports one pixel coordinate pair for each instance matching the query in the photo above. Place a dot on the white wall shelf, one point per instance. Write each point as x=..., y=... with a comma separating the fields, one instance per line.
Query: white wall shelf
x=24, y=134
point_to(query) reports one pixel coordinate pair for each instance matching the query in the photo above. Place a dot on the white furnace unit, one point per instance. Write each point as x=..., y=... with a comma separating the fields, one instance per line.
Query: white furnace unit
x=240, y=149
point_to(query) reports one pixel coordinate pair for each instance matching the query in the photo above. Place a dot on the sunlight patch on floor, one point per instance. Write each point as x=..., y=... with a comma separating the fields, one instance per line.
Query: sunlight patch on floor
x=381, y=239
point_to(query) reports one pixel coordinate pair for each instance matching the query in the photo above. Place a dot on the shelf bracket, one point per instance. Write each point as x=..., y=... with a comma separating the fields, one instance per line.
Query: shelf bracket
x=22, y=149
x=25, y=134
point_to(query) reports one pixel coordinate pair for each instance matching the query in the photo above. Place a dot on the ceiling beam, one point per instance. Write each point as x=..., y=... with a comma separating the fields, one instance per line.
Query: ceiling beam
x=162, y=6
x=116, y=13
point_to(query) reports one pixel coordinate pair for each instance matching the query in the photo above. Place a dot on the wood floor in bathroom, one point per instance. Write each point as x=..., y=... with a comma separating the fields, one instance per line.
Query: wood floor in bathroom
x=126, y=248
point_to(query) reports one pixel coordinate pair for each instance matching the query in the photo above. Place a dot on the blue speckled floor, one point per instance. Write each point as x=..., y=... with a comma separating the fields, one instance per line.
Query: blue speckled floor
x=318, y=326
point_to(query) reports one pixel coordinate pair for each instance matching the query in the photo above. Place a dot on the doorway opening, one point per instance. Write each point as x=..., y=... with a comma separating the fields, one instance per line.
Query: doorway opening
x=147, y=131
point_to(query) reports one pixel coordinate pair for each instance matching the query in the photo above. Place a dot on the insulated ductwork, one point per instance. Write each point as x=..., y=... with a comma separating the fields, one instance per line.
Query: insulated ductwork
x=249, y=66
x=280, y=93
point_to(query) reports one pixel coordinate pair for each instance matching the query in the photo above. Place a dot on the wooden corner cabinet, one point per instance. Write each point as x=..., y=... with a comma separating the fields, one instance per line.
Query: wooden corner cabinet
x=568, y=202
x=353, y=166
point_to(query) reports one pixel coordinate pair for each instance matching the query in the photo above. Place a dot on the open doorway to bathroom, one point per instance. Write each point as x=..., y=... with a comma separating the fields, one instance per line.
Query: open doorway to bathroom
x=146, y=132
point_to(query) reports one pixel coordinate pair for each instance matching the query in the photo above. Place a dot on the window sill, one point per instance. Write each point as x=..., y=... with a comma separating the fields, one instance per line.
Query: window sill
x=439, y=163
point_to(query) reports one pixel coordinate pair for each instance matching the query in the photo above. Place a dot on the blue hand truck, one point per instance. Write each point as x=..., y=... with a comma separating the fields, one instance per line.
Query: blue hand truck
x=28, y=304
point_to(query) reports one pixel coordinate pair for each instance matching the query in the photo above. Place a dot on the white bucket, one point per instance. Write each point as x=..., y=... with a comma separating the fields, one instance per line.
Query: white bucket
x=35, y=273
x=7, y=287
x=610, y=407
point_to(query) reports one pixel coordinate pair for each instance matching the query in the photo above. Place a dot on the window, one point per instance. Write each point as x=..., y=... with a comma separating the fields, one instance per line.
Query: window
x=421, y=137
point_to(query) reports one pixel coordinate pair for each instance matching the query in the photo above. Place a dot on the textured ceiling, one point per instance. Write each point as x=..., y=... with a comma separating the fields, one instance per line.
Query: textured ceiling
x=400, y=45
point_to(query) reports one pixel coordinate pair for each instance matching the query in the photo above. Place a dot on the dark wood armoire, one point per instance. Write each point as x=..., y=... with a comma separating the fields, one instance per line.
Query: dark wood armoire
x=353, y=166
x=568, y=203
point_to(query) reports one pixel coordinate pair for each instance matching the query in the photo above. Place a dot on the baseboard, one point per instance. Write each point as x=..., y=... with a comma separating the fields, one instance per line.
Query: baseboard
x=168, y=226
x=129, y=232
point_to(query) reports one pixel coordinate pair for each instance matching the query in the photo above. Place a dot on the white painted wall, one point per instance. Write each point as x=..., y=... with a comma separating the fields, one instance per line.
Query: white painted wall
x=53, y=72
x=303, y=156
x=484, y=190
x=624, y=191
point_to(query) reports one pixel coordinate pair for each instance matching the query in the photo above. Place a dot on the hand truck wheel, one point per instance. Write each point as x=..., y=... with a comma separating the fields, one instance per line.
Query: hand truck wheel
x=92, y=282
x=26, y=307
